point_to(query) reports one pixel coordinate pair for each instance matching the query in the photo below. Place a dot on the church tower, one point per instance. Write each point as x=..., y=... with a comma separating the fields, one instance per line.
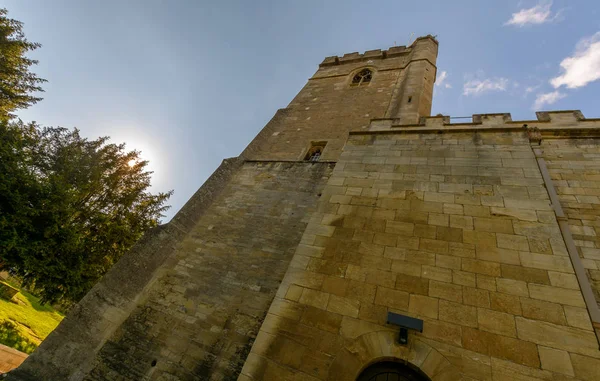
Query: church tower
x=358, y=238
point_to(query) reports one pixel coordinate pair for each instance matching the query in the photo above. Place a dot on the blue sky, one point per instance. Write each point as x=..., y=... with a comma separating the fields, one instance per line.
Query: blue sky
x=190, y=83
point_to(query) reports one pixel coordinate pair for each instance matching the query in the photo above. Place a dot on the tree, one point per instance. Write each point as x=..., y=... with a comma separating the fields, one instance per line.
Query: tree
x=16, y=81
x=69, y=207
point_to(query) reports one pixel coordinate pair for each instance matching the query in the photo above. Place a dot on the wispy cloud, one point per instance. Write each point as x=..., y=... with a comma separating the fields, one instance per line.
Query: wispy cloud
x=441, y=80
x=539, y=14
x=531, y=89
x=480, y=86
x=547, y=99
x=582, y=67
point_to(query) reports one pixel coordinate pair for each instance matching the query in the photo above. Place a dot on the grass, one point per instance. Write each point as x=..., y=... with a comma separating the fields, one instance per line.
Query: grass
x=24, y=322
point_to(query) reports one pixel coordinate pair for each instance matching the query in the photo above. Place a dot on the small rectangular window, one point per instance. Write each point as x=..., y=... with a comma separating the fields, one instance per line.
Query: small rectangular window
x=315, y=151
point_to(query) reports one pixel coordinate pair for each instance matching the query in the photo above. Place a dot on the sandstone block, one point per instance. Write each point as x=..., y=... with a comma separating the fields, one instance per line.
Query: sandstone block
x=433, y=246
x=363, y=292
x=398, y=227
x=525, y=274
x=512, y=241
x=578, y=317
x=423, y=306
x=505, y=303
x=503, y=347
x=447, y=261
x=314, y=298
x=449, y=234
x=412, y=284
x=461, y=222
x=437, y=219
x=464, y=278
x=511, y=286
x=486, y=282
x=436, y=273
x=373, y=313
x=391, y=298
x=496, y=322
x=321, y=319
x=453, y=209
x=546, y=262
x=407, y=268
x=294, y=292
x=476, y=297
x=557, y=336
x=448, y=291
x=481, y=267
x=493, y=225
x=556, y=360
x=425, y=231
x=541, y=310
x=585, y=368
x=343, y=306
x=563, y=280
x=556, y=295
x=457, y=313
x=442, y=331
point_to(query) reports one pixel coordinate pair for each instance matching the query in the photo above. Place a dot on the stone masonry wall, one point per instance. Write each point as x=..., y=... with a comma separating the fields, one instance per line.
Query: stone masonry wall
x=575, y=168
x=327, y=107
x=199, y=318
x=454, y=228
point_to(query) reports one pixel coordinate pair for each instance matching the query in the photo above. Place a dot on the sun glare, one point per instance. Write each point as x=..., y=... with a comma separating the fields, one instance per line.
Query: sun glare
x=131, y=162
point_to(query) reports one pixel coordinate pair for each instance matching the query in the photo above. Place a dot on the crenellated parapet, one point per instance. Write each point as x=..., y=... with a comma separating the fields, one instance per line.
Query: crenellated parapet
x=420, y=45
x=547, y=122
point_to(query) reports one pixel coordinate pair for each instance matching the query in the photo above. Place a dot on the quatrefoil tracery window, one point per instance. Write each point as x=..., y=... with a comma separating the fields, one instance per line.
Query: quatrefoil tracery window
x=363, y=77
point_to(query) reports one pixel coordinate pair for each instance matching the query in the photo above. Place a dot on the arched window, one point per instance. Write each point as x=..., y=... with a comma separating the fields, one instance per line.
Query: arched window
x=363, y=77
x=391, y=371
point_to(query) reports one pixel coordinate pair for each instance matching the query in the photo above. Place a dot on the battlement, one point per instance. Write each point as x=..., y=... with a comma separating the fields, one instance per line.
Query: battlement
x=394, y=51
x=546, y=120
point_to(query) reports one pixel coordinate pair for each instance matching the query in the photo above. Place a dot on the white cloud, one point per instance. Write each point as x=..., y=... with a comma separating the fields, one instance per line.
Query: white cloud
x=531, y=89
x=547, y=99
x=582, y=67
x=442, y=79
x=480, y=86
x=539, y=14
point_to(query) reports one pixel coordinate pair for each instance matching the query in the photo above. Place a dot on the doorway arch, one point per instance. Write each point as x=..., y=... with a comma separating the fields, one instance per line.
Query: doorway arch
x=391, y=371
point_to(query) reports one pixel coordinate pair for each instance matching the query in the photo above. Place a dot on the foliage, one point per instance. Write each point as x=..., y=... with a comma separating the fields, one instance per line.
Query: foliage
x=25, y=322
x=16, y=81
x=12, y=337
x=69, y=207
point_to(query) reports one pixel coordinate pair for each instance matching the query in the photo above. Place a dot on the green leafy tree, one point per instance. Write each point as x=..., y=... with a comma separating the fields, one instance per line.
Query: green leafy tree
x=69, y=207
x=17, y=83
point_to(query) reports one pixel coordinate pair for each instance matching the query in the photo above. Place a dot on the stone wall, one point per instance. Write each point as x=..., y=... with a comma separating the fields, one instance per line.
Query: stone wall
x=70, y=351
x=199, y=318
x=452, y=227
x=574, y=165
x=327, y=107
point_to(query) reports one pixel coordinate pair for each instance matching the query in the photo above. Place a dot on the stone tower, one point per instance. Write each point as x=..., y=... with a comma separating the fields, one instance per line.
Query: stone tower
x=351, y=214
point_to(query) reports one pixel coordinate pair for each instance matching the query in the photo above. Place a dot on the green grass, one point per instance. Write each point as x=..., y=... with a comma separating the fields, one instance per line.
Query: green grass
x=31, y=321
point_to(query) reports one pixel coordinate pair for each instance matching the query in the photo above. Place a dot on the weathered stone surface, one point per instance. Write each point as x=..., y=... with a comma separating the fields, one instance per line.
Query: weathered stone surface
x=556, y=361
x=450, y=223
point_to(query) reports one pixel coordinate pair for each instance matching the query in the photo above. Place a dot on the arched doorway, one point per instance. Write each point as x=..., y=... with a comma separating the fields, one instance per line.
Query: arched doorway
x=391, y=371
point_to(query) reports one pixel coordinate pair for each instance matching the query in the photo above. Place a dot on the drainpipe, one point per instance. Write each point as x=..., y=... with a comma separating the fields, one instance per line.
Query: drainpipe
x=563, y=223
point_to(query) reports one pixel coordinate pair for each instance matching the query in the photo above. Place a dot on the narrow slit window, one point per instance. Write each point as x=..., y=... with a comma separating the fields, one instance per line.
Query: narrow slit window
x=409, y=99
x=363, y=77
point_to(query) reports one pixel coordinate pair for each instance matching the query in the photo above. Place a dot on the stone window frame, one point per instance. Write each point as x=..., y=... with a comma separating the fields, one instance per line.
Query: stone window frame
x=314, y=147
x=361, y=82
